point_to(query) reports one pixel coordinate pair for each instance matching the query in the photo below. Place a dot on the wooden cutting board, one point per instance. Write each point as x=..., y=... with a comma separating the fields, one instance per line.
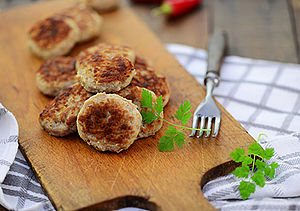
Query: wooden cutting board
x=74, y=174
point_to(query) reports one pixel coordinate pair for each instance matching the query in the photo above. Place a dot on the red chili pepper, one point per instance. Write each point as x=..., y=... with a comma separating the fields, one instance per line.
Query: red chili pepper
x=175, y=8
x=148, y=1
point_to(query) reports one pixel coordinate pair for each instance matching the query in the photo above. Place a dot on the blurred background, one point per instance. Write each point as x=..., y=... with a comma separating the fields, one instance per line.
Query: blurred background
x=264, y=29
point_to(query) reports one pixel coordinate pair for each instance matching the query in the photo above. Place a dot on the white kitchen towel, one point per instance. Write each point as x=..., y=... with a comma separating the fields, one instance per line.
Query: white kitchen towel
x=280, y=193
x=263, y=96
x=9, y=132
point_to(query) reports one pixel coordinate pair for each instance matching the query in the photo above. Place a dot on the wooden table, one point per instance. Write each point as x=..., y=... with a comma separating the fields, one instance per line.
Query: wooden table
x=258, y=28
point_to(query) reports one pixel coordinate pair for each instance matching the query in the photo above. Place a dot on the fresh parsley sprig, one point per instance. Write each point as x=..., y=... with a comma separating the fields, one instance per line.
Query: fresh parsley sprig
x=173, y=135
x=254, y=159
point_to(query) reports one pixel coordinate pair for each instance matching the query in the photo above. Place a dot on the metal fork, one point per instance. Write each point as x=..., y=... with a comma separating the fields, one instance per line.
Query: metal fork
x=208, y=109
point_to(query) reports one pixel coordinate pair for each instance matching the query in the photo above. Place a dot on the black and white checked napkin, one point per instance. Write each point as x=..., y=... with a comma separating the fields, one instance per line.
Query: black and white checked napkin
x=263, y=96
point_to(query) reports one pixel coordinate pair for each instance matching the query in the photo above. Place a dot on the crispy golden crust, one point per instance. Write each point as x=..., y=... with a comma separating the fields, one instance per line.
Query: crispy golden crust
x=81, y=16
x=56, y=74
x=88, y=21
x=107, y=69
x=111, y=50
x=142, y=63
x=58, y=69
x=103, y=73
x=134, y=93
x=147, y=78
x=109, y=122
x=53, y=36
x=59, y=116
x=50, y=31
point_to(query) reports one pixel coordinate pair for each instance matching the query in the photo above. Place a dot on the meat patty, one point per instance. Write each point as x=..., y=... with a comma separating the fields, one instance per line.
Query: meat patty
x=53, y=36
x=110, y=50
x=134, y=93
x=59, y=116
x=109, y=122
x=55, y=75
x=104, y=73
x=101, y=6
x=147, y=78
x=88, y=21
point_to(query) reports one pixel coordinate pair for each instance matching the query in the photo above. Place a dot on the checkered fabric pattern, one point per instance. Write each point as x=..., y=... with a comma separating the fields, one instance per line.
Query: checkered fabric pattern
x=21, y=188
x=280, y=193
x=263, y=96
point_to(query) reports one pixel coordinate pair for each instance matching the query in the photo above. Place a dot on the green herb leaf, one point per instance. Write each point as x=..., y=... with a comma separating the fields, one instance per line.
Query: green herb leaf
x=256, y=149
x=274, y=165
x=146, y=101
x=166, y=143
x=263, y=169
x=247, y=160
x=260, y=164
x=172, y=135
x=183, y=113
x=159, y=105
x=241, y=172
x=270, y=172
x=171, y=131
x=148, y=117
x=259, y=178
x=270, y=169
x=268, y=153
x=246, y=188
x=238, y=155
x=179, y=139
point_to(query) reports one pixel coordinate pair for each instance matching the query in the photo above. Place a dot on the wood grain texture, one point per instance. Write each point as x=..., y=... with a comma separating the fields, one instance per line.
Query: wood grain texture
x=73, y=173
x=189, y=29
x=294, y=9
x=258, y=28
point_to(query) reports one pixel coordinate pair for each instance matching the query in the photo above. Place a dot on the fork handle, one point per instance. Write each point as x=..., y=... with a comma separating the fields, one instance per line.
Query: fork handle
x=216, y=52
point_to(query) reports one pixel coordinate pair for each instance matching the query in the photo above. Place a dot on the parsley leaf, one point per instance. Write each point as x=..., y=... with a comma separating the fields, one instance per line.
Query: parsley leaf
x=274, y=165
x=171, y=131
x=270, y=172
x=268, y=153
x=246, y=188
x=238, y=155
x=255, y=157
x=241, y=172
x=183, y=113
x=159, y=105
x=247, y=160
x=148, y=117
x=260, y=164
x=146, y=101
x=259, y=178
x=270, y=169
x=166, y=143
x=179, y=139
x=172, y=135
x=256, y=149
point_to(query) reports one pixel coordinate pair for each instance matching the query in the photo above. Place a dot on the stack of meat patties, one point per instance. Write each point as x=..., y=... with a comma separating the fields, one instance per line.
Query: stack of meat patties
x=98, y=94
x=57, y=34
